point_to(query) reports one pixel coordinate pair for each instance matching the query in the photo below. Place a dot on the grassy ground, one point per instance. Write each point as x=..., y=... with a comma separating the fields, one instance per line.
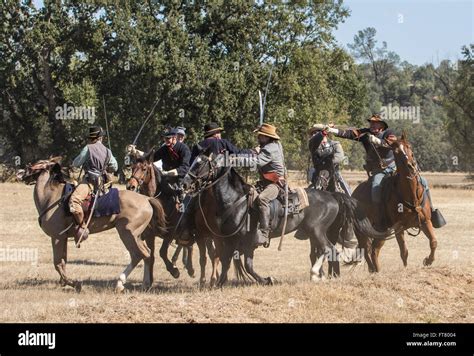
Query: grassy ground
x=442, y=293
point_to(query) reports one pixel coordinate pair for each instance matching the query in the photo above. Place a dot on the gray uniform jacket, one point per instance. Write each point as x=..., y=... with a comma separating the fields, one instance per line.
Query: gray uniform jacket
x=270, y=159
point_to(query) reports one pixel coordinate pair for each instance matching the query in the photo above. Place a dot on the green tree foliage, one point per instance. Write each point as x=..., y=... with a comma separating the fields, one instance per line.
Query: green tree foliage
x=442, y=95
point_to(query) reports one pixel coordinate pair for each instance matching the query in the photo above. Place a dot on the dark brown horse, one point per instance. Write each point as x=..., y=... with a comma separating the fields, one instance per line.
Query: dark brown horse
x=406, y=203
x=139, y=221
x=148, y=181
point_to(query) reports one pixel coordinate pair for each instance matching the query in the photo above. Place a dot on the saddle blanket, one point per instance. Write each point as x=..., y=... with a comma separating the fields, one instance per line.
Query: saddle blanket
x=107, y=204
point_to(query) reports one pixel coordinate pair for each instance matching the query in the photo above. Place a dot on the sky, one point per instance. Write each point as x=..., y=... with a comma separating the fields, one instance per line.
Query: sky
x=419, y=31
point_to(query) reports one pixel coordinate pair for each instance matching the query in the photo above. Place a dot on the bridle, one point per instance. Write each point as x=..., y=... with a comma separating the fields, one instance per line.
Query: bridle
x=203, y=181
x=206, y=181
x=144, y=177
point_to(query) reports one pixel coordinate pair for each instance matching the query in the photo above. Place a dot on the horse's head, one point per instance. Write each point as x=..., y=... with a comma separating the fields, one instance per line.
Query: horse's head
x=30, y=174
x=141, y=172
x=404, y=157
x=205, y=169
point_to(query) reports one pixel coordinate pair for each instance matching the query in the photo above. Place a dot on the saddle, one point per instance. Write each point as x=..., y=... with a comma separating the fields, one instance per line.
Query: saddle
x=297, y=201
x=107, y=204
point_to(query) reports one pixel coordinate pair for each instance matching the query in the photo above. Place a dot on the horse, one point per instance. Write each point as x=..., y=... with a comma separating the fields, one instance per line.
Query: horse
x=146, y=180
x=139, y=220
x=328, y=218
x=405, y=203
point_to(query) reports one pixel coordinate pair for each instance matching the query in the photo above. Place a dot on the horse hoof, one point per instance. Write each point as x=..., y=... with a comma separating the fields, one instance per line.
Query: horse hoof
x=119, y=288
x=270, y=281
x=427, y=262
x=191, y=273
x=78, y=287
x=175, y=273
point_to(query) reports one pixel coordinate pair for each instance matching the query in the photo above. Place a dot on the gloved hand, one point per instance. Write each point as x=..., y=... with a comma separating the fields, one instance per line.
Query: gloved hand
x=257, y=149
x=171, y=173
x=374, y=140
x=131, y=149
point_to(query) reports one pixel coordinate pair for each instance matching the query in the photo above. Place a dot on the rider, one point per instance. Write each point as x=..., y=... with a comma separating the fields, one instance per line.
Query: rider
x=380, y=161
x=327, y=155
x=174, y=156
x=215, y=143
x=270, y=165
x=96, y=160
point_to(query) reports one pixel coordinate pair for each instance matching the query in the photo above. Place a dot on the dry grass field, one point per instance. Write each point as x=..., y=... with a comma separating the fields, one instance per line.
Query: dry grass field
x=30, y=292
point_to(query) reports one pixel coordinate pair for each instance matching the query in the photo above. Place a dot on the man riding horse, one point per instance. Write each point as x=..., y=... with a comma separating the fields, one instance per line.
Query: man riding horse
x=380, y=161
x=175, y=159
x=95, y=159
x=271, y=167
x=326, y=155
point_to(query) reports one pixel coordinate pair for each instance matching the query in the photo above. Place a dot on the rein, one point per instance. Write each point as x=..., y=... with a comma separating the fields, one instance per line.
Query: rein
x=227, y=213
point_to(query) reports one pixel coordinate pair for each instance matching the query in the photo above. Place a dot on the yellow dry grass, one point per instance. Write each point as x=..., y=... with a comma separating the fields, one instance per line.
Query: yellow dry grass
x=442, y=293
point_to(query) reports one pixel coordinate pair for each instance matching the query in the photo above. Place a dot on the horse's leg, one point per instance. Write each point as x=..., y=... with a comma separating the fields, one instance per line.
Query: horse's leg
x=229, y=245
x=366, y=245
x=376, y=247
x=248, y=257
x=333, y=261
x=136, y=247
x=216, y=260
x=175, y=257
x=149, y=264
x=60, y=259
x=188, y=260
x=428, y=230
x=201, y=242
x=319, y=246
x=403, y=247
x=164, y=256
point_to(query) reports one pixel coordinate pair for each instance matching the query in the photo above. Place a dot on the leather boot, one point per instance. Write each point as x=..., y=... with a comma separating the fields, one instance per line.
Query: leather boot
x=81, y=229
x=261, y=236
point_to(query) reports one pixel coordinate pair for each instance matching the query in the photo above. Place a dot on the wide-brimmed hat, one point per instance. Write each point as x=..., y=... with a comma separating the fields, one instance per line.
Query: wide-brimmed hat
x=211, y=128
x=378, y=118
x=267, y=130
x=169, y=132
x=95, y=132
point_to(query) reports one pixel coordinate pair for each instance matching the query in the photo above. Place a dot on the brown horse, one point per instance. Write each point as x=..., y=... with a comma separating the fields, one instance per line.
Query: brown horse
x=147, y=181
x=405, y=203
x=139, y=220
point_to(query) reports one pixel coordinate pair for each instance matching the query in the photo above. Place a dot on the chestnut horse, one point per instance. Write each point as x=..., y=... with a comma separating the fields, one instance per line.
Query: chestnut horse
x=139, y=221
x=406, y=203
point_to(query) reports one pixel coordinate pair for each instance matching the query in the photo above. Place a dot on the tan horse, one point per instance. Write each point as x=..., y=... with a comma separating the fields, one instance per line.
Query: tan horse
x=145, y=180
x=139, y=220
x=404, y=203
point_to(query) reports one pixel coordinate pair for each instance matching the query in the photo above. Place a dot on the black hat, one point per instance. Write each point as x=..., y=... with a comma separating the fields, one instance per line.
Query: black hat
x=170, y=132
x=95, y=132
x=211, y=128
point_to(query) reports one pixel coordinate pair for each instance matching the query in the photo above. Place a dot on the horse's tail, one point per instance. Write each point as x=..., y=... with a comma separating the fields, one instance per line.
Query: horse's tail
x=158, y=221
x=355, y=215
